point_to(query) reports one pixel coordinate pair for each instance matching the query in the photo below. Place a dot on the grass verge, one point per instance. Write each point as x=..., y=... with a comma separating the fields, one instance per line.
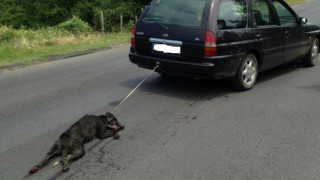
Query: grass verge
x=294, y=2
x=25, y=47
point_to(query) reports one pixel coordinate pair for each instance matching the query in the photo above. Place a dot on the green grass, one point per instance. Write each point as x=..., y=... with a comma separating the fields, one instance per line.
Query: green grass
x=294, y=2
x=25, y=47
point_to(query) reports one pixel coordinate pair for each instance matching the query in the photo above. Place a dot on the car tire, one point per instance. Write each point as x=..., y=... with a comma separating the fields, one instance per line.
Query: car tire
x=311, y=58
x=247, y=74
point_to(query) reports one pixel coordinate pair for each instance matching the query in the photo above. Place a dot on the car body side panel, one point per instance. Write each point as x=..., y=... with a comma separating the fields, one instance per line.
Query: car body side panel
x=269, y=40
x=235, y=42
x=294, y=35
x=312, y=30
x=295, y=41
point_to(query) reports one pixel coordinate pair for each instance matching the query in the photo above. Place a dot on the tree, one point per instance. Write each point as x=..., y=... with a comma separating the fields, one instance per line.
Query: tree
x=39, y=13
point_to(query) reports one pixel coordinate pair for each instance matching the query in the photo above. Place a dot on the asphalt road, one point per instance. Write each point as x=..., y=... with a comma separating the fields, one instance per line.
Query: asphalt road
x=310, y=10
x=179, y=129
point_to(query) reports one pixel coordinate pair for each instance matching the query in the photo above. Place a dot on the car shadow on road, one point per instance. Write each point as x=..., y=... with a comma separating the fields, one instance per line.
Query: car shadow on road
x=279, y=71
x=180, y=87
x=199, y=89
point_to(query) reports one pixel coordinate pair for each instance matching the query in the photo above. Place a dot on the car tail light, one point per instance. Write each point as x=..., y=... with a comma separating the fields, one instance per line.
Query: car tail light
x=210, y=47
x=133, y=32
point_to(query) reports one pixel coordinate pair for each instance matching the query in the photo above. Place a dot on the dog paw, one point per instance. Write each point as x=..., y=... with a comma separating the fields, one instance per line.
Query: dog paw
x=117, y=135
x=65, y=169
x=34, y=170
x=56, y=163
x=117, y=129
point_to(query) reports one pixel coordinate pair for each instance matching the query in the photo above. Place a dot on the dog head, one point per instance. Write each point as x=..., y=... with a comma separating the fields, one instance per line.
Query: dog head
x=112, y=120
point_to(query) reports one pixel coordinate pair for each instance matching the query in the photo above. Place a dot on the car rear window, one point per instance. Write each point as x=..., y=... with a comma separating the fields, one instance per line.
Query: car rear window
x=232, y=14
x=182, y=13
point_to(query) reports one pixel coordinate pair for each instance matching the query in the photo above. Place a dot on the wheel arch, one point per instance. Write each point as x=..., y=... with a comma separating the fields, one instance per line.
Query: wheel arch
x=258, y=55
x=318, y=37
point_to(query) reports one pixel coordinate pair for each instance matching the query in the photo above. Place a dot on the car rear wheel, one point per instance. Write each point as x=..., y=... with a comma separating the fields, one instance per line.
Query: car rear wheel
x=311, y=58
x=247, y=73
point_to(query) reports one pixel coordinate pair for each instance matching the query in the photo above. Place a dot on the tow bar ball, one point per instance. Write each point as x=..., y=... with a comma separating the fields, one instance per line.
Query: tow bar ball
x=157, y=66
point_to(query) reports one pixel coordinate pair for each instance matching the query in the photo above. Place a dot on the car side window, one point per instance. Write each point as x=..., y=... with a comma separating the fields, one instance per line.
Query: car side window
x=232, y=14
x=285, y=16
x=262, y=13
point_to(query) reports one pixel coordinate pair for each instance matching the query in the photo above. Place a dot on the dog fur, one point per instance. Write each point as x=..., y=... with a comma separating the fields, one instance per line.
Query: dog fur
x=70, y=144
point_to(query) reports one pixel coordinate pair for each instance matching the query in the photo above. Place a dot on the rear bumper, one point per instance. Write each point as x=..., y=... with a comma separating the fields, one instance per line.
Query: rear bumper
x=219, y=67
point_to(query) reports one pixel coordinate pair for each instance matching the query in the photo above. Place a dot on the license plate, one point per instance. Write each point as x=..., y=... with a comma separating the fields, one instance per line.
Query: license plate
x=167, y=48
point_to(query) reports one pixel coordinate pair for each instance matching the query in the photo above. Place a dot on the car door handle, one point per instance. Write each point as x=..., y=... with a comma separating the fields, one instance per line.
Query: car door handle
x=259, y=36
x=287, y=33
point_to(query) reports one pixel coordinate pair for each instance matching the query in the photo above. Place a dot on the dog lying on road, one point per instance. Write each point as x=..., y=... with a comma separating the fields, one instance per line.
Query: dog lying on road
x=70, y=144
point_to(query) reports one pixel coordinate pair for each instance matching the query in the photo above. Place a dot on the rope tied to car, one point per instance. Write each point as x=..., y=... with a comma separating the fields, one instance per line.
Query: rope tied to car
x=127, y=97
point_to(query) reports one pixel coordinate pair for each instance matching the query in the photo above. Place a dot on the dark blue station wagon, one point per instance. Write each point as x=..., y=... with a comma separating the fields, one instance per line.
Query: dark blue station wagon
x=216, y=39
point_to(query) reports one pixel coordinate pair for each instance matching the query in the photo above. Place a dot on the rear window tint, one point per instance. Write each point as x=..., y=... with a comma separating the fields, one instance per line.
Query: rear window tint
x=232, y=14
x=184, y=13
x=262, y=13
x=285, y=16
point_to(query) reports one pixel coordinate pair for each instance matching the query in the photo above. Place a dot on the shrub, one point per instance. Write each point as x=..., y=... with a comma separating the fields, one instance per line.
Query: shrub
x=130, y=25
x=7, y=33
x=37, y=14
x=75, y=26
x=112, y=15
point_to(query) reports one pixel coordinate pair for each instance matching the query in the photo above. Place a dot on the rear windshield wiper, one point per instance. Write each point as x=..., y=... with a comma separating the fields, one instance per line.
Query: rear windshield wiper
x=153, y=19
